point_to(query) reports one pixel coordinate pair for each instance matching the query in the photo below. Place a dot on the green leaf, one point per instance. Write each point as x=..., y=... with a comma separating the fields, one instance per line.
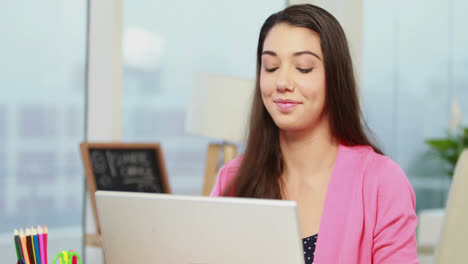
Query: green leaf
x=449, y=149
x=465, y=137
x=442, y=144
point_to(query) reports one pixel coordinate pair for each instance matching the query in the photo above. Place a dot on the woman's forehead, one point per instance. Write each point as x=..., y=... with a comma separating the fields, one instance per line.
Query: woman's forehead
x=285, y=39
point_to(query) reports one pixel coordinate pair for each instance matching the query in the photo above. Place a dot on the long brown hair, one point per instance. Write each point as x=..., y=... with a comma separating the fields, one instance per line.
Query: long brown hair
x=261, y=167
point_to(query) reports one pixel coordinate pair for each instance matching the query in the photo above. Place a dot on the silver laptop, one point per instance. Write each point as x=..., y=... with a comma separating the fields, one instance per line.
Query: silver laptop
x=172, y=229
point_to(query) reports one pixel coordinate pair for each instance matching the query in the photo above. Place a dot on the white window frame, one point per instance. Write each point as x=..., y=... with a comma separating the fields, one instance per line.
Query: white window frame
x=103, y=82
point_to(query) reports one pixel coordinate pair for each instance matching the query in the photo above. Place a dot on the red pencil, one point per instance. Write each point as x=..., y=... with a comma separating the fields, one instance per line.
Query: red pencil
x=40, y=237
x=30, y=246
x=44, y=238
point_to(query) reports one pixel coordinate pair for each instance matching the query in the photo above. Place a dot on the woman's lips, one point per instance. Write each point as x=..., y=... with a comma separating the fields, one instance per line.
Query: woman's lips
x=286, y=105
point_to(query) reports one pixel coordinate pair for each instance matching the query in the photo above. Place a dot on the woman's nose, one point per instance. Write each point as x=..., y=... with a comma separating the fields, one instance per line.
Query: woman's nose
x=284, y=82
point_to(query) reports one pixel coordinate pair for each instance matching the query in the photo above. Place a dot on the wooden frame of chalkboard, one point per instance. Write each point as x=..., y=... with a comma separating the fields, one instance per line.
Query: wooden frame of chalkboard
x=137, y=167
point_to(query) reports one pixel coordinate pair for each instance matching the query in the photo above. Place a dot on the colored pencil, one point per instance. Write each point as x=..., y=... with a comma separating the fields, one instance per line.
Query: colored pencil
x=45, y=235
x=33, y=245
x=24, y=246
x=40, y=236
x=30, y=246
x=37, y=251
x=19, y=251
x=18, y=241
x=33, y=235
x=16, y=245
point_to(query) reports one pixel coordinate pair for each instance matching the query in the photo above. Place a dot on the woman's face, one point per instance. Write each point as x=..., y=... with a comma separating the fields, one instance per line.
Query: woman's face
x=292, y=77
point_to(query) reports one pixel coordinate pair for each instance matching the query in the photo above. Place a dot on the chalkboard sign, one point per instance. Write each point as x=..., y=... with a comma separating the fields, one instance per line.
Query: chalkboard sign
x=123, y=167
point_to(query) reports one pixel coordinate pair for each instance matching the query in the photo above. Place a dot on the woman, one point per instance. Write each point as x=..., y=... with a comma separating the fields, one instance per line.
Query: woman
x=307, y=143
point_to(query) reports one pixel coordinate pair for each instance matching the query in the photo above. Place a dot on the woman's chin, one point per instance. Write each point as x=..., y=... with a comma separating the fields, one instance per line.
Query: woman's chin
x=290, y=126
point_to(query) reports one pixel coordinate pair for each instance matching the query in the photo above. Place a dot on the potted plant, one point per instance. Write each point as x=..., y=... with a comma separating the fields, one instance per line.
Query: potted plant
x=450, y=147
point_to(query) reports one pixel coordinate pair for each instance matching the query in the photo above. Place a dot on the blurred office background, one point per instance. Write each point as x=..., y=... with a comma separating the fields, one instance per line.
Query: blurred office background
x=413, y=64
x=42, y=104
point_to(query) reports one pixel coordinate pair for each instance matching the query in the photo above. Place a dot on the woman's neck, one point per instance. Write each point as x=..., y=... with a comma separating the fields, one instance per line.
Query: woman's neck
x=308, y=155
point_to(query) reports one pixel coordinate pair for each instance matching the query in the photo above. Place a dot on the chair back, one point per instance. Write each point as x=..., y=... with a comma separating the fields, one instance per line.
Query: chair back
x=453, y=245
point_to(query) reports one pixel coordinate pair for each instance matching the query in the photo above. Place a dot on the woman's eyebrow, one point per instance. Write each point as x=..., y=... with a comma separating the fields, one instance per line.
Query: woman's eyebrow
x=268, y=52
x=306, y=52
x=299, y=53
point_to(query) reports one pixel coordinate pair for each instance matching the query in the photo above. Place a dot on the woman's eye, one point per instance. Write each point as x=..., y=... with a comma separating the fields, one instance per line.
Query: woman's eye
x=271, y=69
x=305, y=70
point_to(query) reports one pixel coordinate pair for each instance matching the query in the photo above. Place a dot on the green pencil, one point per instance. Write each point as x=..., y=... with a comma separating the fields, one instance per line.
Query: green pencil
x=19, y=252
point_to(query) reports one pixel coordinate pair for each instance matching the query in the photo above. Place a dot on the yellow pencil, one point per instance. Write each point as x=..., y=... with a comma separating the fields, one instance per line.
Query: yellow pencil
x=34, y=233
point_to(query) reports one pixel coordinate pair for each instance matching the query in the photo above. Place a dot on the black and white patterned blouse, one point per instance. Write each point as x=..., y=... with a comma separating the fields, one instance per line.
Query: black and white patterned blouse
x=309, y=248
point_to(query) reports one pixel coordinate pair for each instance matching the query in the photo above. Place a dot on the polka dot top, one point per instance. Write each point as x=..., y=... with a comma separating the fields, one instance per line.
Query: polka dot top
x=309, y=248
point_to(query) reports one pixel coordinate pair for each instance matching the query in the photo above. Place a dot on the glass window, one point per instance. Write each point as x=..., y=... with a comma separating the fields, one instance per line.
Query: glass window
x=42, y=120
x=415, y=62
x=165, y=44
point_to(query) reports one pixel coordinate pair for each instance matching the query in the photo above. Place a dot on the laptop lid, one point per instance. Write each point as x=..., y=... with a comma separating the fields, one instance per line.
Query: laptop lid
x=172, y=229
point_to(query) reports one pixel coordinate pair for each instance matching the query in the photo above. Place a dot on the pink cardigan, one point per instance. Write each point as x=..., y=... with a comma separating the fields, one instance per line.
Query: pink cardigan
x=369, y=212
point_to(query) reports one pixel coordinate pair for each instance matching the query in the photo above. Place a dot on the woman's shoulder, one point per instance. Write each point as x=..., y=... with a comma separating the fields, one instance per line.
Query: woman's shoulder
x=225, y=175
x=229, y=170
x=377, y=168
x=233, y=164
x=382, y=172
x=372, y=161
x=386, y=169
